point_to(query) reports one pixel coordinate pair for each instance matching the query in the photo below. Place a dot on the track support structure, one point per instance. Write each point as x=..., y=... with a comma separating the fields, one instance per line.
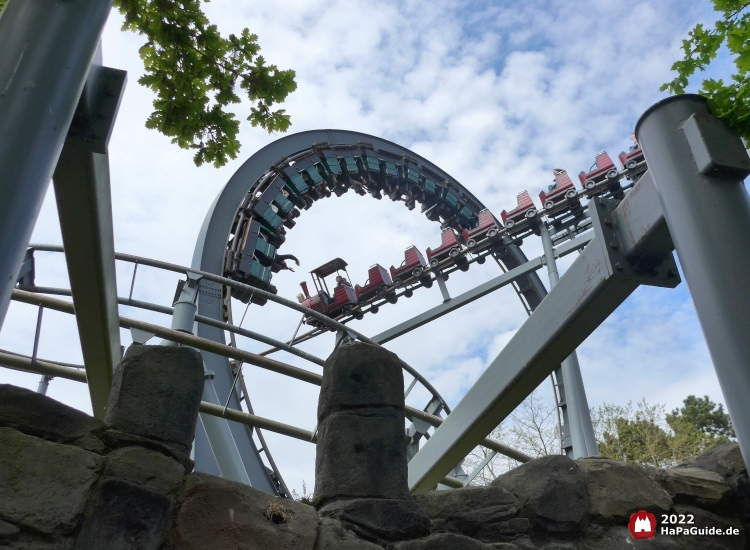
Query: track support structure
x=47, y=51
x=698, y=165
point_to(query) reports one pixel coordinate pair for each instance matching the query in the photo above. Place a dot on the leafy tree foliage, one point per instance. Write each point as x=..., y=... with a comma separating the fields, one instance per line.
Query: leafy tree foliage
x=729, y=101
x=196, y=74
x=644, y=434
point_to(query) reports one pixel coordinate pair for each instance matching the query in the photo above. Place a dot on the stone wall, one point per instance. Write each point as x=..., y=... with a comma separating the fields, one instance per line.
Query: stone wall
x=69, y=481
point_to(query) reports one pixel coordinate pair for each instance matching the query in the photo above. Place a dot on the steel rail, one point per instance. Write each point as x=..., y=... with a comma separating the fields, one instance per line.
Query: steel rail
x=247, y=288
x=181, y=338
x=27, y=364
x=282, y=346
x=436, y=421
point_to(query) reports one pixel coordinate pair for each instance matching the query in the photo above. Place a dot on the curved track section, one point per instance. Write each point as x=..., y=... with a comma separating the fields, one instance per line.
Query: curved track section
x=224, y=218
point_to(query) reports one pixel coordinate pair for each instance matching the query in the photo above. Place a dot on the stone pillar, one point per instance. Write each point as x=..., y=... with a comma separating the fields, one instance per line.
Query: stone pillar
x=151, y=417
x=154, y=399
x=361, y=474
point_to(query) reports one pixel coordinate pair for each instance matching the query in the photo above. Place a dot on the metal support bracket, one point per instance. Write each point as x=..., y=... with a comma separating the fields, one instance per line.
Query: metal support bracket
x=664, y=274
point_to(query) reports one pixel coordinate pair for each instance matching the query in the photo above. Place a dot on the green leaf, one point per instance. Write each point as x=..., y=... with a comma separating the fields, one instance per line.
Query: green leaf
x=195, y=73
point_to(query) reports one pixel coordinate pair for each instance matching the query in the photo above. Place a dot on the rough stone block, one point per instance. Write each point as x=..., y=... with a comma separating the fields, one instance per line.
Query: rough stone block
x=381, y=519
x=216, y=514
x=551, y=491
x=35, y=414
x=123, y=516
x=43, y=485
x=145, y=468
x=442, y=541
x=725, y=460
x=359, y=375
x=693, y=486
x=465, y=511
x=361, y=456
x=704, y=518
x=116, y=440
x=156, y=393
x=334, y=536
x=618, y=537
x=8, y=531
x=617, y=489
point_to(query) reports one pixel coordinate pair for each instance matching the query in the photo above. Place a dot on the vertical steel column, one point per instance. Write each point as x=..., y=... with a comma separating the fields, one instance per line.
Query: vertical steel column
x=47, y=48
x=698, y=165
x=582, y=435
x=218, y=433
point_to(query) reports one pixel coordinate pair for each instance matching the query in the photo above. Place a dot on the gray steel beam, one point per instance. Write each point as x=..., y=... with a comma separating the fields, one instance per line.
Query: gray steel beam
x=84, y=205
x=698, y=166
x=597, y=282
x=482, y=290
x=47, y=48
x=581, y=427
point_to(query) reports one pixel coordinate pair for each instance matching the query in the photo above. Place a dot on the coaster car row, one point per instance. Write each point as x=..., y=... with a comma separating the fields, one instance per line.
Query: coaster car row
x=273, y=205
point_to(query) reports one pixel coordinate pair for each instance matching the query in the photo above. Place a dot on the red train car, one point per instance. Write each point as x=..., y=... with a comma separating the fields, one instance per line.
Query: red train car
x=377, y=284
x=343, y=299
x=412, y=266
x=487, y=227
x=525, y=209
x=563, y=189
x=448, y=247
x=603, y=174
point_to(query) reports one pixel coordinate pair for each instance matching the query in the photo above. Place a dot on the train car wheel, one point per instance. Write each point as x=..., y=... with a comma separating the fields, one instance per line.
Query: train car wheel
x=470, y=243
x=613, y=175
x=416, y=272
x=531, y=212
x=509, y=223
x=380, y=292
x=374, y=309
x=631, y=164
x=396, y=281
x=492, y=232
x=481, y=260
x=589, y=184
x=358, y=315
x=434, y=262
x=549, y=204
x=453, y=252
x=570, y=193
x=409, y=293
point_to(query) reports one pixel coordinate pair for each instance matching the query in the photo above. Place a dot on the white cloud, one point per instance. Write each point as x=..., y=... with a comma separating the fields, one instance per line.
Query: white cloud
x=494, y=93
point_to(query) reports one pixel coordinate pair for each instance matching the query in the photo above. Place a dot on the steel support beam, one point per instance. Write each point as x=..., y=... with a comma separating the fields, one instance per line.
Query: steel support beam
x=84, y=205
x=698, y=166
x=583, y=440
x=597, y=282
x=47, y=48
x=482, y=290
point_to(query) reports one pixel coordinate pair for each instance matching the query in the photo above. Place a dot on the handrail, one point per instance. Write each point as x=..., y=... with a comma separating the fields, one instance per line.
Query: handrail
x=199, y=318
x=27, y=364
x=259, y=292
x=181, y=338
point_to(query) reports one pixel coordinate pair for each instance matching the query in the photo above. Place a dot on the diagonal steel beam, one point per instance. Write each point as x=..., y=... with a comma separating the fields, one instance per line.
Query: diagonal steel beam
x=597, y=282
x=84, y=205
x=474, y=294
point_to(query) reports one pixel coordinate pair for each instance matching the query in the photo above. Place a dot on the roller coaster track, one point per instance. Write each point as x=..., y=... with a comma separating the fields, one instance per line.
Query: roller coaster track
x=366, y=164
x=306, y=167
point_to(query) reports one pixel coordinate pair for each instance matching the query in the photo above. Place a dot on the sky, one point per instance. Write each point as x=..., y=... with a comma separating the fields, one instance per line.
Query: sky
x=495, y=93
